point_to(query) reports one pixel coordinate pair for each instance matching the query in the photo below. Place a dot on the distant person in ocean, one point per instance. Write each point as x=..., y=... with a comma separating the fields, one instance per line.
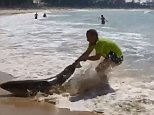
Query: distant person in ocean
x=36, y=15
x=44, y=15
x=103, y=19
x=106, y=48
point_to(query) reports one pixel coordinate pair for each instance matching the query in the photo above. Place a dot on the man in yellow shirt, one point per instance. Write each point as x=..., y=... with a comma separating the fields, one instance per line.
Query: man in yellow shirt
x=104, y=48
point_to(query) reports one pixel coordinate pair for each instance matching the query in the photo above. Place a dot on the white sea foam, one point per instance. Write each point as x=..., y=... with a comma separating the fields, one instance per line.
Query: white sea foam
x=130, y=96
x=51, y=15
x=36, y=49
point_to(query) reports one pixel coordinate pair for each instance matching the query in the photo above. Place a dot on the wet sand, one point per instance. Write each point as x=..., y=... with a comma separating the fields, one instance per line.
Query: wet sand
x=21, y=11
x=16, y=11
x=10, y=105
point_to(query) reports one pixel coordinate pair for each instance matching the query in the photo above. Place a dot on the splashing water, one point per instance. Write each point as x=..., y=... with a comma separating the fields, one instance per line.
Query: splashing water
x=33, y=49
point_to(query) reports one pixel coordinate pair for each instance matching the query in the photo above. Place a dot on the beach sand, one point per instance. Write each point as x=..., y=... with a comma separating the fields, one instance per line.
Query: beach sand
x=16, y=11
x=10, y=105
x=21, y=11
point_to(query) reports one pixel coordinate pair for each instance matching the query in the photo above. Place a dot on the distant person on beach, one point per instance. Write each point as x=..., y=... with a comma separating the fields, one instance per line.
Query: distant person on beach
x=44, y=15
x=105, y=48
x=36, y=15
x=103, y=19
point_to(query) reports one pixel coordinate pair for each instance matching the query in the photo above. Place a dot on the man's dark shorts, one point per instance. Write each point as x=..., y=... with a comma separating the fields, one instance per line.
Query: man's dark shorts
x=112, y=56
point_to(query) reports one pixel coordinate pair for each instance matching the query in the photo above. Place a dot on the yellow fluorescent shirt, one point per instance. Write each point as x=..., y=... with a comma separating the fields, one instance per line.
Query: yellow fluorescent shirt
x=104, y=46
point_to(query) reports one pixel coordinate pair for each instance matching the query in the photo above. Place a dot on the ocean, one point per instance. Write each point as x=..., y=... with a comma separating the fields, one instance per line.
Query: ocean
x=34, y=49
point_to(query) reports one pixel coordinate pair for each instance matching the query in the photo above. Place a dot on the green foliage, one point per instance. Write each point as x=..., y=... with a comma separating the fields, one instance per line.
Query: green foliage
x=75, y=3
x=69, y=3
x=87, y=3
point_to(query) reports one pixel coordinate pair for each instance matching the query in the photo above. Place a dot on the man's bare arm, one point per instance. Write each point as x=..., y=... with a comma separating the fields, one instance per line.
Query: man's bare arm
x=85, y=54
x=93, y=58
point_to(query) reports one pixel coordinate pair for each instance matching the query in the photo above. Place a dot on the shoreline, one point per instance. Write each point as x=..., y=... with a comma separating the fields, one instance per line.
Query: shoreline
x=13, y=11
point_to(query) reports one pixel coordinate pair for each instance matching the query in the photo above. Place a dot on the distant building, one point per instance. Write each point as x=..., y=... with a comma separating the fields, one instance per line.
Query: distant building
x=149, y=3
x=36, y=1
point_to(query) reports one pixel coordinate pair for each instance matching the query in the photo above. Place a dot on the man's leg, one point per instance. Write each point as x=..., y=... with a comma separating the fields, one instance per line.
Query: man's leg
x=105, y=65
x=103, y=68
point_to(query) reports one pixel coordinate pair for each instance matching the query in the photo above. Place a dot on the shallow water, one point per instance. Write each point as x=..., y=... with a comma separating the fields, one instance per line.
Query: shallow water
x=32, y=49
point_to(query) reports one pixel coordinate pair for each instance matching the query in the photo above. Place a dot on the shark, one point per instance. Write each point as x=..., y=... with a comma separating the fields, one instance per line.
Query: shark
x=26, y=88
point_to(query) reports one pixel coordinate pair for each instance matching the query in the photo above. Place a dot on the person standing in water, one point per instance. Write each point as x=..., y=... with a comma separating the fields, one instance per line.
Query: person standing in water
x=36, y=15
x=103, y=20
x=44, y=15
x=105, y=48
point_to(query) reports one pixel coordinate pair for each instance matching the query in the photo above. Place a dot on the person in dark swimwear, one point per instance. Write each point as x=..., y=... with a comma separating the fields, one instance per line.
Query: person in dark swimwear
x=103, y=20
x=36, y=15
x=44, y=15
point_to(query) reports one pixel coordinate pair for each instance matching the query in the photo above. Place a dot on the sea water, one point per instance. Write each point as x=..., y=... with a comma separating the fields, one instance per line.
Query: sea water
x=34, y=49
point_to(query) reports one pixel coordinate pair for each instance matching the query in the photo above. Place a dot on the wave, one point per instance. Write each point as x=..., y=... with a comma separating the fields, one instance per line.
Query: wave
x=86, y=75
x=126, y=97
x=52, y=15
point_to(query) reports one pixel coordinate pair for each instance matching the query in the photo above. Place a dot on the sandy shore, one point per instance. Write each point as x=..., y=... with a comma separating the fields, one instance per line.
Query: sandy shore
x=16, y=11
x=20, y=11
x=10, y=105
